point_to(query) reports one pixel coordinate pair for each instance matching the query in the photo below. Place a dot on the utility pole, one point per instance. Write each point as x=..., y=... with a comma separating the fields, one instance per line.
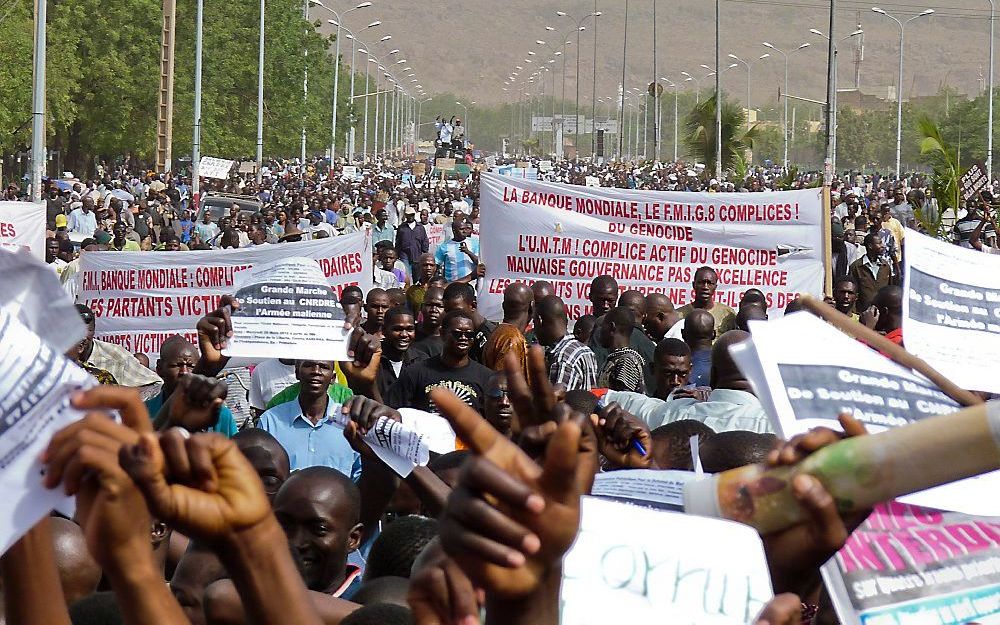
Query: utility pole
x=38, y=157
x=165, y=109
x=859, y=54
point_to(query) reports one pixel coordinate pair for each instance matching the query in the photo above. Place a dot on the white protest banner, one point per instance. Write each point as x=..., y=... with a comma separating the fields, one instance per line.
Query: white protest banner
x=805, y=372
x=667, y=567
x=22, y=224
x=350, y=172
x=287, y=307
x=211, y=167
x=951, y=310
x=142, y=298
x=36, y=382
x=652, y=241
x=907, y=564
x=592, y=181
x=544, y=165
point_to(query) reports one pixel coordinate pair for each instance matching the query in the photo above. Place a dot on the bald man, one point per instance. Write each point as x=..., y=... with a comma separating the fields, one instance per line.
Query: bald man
x=636, y=302
x=570, y=362
x=518, y=304
x=320, y=510
x=699, y=333
x=178, y=357
x=889, y=303
x=268, y=458
x=731, y=405
x=79, y=573
x=660, y=316
x=603, y=295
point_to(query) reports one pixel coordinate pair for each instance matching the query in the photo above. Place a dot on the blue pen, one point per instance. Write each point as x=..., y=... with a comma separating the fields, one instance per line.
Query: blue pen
x=639, y=447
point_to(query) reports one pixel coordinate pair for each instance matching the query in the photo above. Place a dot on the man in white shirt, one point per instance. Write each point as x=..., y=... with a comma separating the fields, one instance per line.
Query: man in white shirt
x=269, y=378
x=82, y=219
x=731, y=405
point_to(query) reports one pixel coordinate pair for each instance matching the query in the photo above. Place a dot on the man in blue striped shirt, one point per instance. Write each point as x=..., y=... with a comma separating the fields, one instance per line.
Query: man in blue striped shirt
x=459, y=258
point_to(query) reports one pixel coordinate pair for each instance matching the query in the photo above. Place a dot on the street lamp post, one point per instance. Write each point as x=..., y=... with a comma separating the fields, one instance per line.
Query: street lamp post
x=673, y=85
x=784, y=115
x=697, y=86
x=899, y=87
x=989, y=122
x=562, y=104
x=748, y=65
x=336, y=69
x=196, y=139
x=260, y=98
x=38, y=102
x=579, y=28
x=832, y=106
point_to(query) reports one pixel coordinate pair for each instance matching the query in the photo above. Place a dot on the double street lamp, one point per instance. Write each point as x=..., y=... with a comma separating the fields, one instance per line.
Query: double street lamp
x=784, y=115
x=579, y=28
x=899, y=84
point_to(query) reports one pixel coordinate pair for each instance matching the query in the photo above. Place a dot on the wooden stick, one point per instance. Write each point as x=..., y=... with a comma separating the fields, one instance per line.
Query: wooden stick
x=854, y=329
x=827, y=242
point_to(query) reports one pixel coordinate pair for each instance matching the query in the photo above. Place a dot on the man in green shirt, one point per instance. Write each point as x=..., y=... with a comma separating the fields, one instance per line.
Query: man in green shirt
x=705, y=282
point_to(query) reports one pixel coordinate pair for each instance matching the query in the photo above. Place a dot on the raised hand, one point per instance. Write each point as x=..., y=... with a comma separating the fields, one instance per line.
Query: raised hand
x=83, y=458
x=532, y=404
x=213, y=494
x=619, y=433
x=440, y=592
x=365, y=351
x=794, y=555
x=363, y=414
x=214, y=330
x=509, y=521
x=195, y=403
x=784, y=609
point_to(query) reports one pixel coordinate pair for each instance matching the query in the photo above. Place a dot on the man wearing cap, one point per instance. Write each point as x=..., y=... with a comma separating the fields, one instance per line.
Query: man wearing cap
x=411, y=237
x=82, y=219
x=316, y=225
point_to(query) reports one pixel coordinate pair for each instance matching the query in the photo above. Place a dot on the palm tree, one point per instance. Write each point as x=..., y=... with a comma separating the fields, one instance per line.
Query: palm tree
x=946, y=177
x=700, y=126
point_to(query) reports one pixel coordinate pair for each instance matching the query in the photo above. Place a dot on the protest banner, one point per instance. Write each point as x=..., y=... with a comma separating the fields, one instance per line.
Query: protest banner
x=907, y=564
x=287, y=306
x=652, y=241
x=142, y=298
x=806, y=383
x=951, y=310
x=350, y=172
x=211, y=167
x=974, y=181
x=544, y=165
x=22, y=224
x=667, y=567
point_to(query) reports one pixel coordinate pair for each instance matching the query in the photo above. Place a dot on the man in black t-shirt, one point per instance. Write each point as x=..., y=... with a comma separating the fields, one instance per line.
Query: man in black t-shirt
x=462, y=296
x=452, y=370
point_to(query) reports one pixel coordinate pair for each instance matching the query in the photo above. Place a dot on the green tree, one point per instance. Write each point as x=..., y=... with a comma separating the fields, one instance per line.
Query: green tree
x=701, y=139
x=946, y=176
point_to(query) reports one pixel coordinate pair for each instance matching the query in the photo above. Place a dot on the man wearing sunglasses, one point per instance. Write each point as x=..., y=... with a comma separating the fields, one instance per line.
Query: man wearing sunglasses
x=453, y=370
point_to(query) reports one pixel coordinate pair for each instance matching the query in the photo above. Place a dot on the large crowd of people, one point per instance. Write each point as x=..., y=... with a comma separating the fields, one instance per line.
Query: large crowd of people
x=245, y=494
